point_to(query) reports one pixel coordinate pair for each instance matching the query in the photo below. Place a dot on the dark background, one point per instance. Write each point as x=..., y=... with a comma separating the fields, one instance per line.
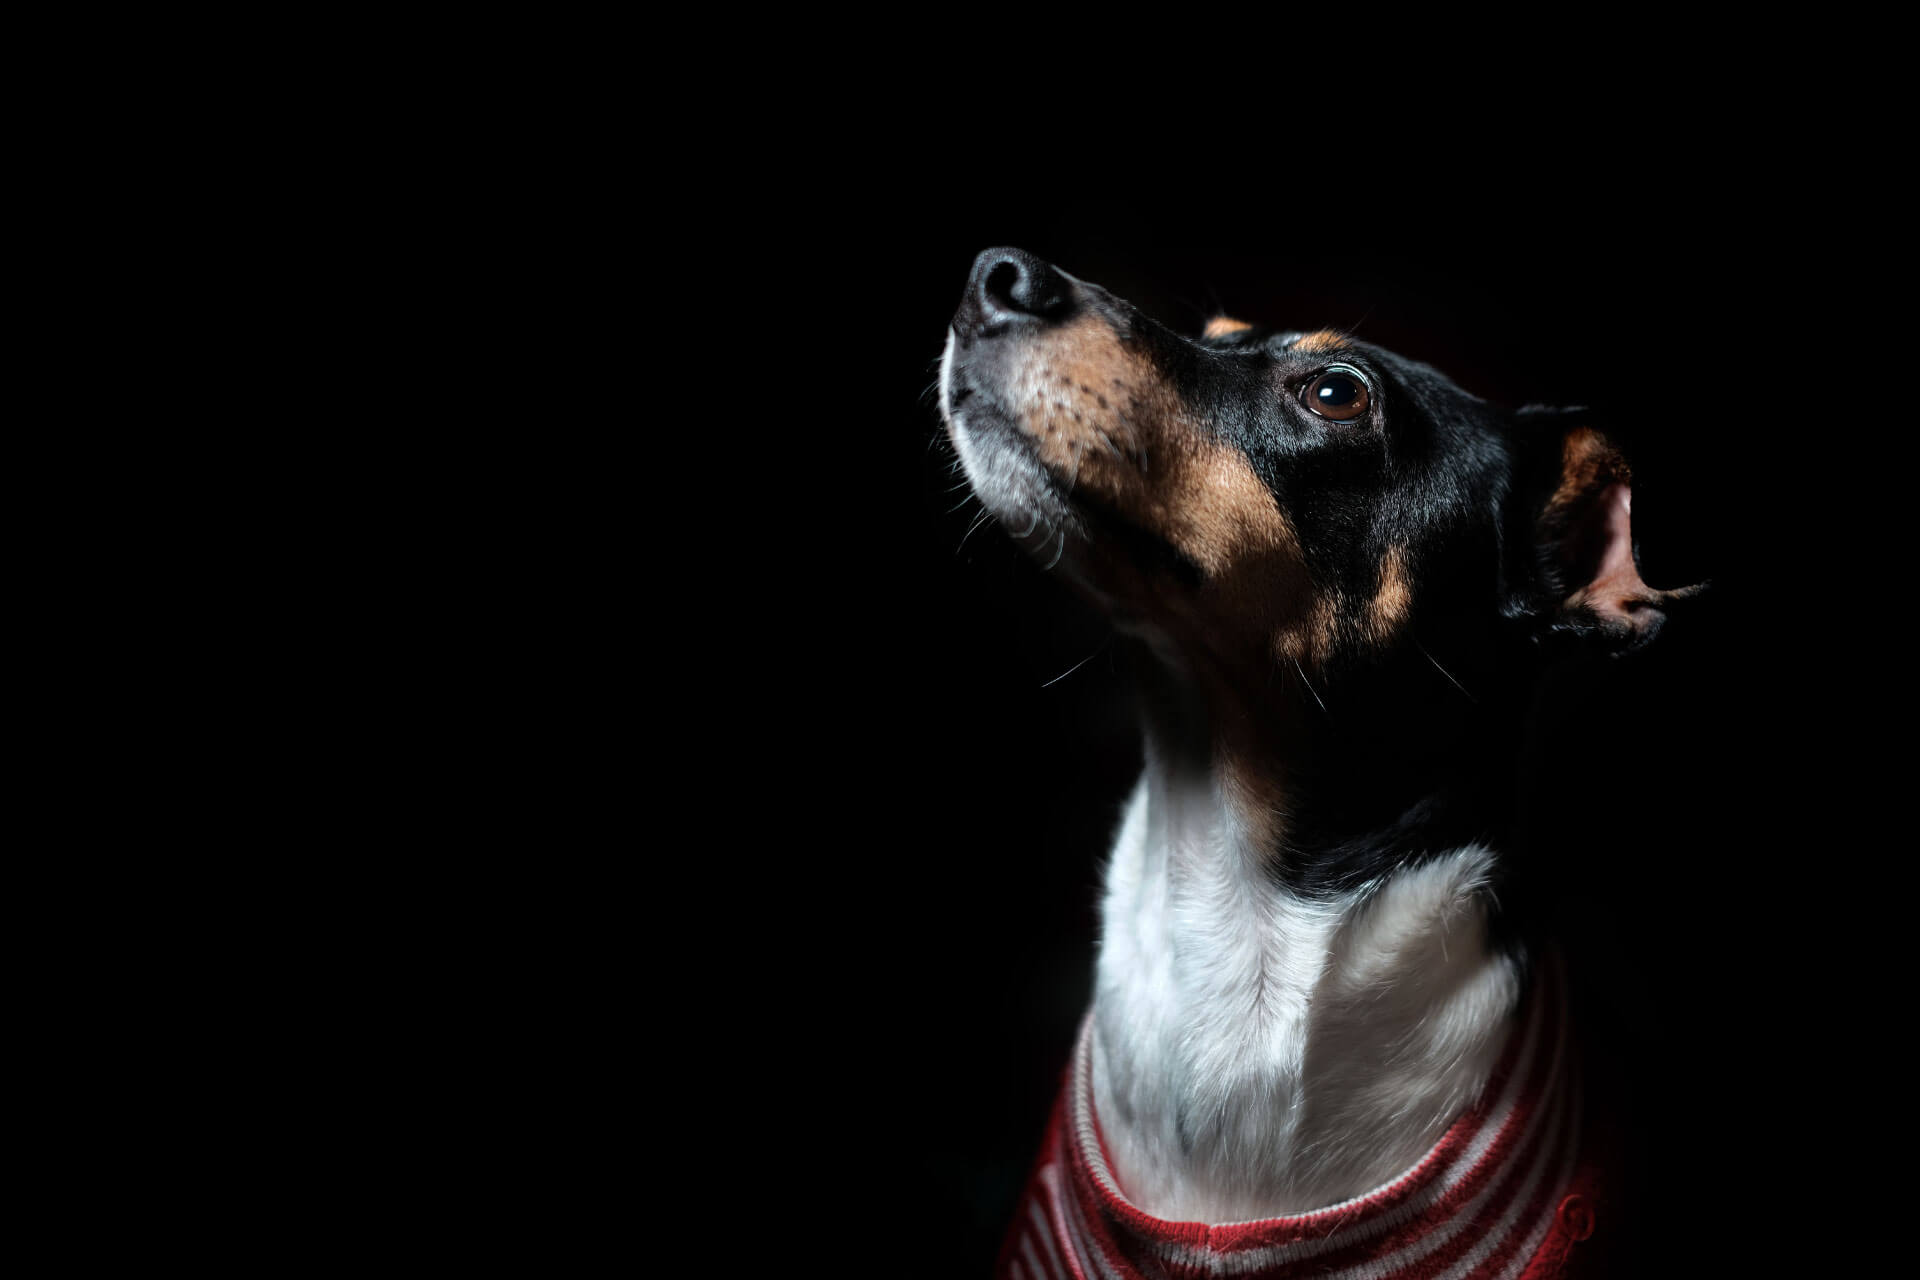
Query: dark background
x=948, y=792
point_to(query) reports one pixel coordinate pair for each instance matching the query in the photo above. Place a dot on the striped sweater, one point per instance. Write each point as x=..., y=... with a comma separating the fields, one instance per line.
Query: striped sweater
x=1503, y=1193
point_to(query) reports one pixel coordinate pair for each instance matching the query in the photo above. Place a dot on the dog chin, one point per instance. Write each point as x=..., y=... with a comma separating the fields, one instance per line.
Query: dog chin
x=999, y=462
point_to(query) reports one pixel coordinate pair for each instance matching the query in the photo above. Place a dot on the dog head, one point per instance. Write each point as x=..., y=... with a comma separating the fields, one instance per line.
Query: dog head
x=1251, y=497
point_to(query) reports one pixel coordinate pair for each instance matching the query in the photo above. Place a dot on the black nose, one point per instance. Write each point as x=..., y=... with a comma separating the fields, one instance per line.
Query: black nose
x=1009, y=287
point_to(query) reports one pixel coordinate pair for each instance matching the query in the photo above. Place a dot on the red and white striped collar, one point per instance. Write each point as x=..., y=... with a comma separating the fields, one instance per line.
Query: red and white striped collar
x=1488, y=1200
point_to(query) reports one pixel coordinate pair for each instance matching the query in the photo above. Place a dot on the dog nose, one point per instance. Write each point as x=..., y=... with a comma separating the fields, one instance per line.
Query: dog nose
x=1009, y=287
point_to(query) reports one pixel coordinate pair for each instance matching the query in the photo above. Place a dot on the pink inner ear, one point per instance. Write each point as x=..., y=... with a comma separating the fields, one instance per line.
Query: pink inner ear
x=1617, y=589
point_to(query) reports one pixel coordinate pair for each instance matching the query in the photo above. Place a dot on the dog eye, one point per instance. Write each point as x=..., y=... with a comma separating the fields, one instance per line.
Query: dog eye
x=1338, y=394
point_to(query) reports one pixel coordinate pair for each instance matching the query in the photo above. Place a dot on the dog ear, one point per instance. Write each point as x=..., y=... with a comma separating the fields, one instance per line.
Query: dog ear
x=1577, y=506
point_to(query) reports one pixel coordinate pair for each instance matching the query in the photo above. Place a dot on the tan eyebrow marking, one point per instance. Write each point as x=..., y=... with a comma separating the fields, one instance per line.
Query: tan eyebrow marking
x=1221, y=326
x=1317, y=342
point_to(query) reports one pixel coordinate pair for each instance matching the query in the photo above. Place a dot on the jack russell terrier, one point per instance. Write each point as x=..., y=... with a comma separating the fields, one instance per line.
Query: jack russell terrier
x=1321, y=1042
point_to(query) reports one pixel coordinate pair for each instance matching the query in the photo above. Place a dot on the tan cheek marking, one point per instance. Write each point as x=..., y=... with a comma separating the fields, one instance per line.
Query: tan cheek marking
x=1221, y=326
x=1215, y=509
x=1102, y=418
x=1332, y=621
x=1076, y=387
x=1310, y=639
x=1393, y=601
x=1317, y=343
x=1098, y=413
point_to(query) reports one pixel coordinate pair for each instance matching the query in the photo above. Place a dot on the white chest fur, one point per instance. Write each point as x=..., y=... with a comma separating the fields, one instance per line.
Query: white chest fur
x=1257, y=1053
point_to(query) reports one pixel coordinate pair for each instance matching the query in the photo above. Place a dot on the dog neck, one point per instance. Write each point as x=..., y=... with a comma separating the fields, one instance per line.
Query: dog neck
x=1261, y=1049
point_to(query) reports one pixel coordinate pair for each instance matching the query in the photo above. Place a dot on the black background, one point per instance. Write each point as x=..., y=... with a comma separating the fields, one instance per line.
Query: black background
x=939, y=794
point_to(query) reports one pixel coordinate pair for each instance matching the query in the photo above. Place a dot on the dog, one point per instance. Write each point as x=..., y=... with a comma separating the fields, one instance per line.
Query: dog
x=1322, y=1039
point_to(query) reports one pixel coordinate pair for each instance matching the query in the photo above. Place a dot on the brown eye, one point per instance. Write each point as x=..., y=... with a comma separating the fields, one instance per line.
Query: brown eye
x=1338, y=394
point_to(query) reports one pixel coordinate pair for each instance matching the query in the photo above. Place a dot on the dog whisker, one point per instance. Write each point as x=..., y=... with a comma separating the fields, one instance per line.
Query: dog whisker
x=1310, y=689
x=983, y=518
x=1076, y=666
x=1443, y=671
x=1079, y=452
x=1056, y=555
